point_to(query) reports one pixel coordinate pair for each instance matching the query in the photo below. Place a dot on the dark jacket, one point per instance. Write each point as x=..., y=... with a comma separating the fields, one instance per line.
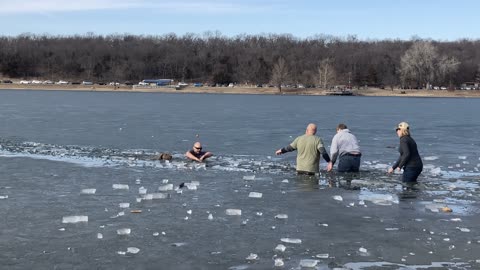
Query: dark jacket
x=409, y=156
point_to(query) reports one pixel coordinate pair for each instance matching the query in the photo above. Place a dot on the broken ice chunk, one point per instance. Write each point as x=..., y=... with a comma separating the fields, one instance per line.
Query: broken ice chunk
x=233, y=212
x=191, y=186
x=74, y=219
x=165, y=187
x=249, y=177
x=133, y=250
x=142, y=190
x=124, y=231
x=322, y=256
x=210, y=216
x=88, y=191
x=291, y=240
x=255, y=195
x=99, y=236
x=281, y=216
x=280, y=248
x=363, y=250
x=124, y=205
x=464, y=229
x=309, y=263
x=338, y=198
x=120, y=186
x=252, y=257
x=279, y=262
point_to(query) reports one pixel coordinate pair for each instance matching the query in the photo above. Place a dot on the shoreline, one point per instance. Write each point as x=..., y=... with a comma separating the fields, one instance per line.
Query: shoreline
x=375, y=92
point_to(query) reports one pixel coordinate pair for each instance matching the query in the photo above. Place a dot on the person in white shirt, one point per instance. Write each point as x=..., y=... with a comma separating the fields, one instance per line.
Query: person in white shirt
x=345, y=148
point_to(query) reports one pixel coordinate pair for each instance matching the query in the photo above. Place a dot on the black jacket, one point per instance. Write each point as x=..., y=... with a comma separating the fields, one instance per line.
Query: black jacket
x=409, y=156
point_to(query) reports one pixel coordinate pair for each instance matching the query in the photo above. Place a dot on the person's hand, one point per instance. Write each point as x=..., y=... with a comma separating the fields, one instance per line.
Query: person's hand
x=278, y=152
x=390, y=170
x=329, y=166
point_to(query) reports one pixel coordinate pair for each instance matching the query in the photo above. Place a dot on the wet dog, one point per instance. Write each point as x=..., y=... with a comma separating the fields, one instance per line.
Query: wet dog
x=163, y=156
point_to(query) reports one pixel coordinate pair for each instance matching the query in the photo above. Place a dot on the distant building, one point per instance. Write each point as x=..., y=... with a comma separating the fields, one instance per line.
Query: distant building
x=158, y=82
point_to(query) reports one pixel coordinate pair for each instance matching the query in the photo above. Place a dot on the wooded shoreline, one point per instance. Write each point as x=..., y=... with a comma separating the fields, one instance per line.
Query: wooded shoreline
x=248, y=90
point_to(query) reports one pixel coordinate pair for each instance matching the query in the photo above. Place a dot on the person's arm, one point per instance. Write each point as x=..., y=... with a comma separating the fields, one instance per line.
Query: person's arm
x=205, y=156
x=322, y=151
x=285, y=149
x=289, y=148
x=334, y=149
x=405, y=150
x=401, y=159
x=192, y=157
x=324, y=154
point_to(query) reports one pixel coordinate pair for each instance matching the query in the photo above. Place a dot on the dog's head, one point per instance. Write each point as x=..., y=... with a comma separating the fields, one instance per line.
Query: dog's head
x=165, y=156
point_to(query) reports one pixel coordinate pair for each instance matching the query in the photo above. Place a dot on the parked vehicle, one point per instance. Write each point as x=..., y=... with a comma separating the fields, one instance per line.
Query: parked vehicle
x=36, y=82
x=61, y=82
x=7, y=81
x=47, y=82
x=25, y=82
x=198, y=84
x=114, y=83
x=87, y=83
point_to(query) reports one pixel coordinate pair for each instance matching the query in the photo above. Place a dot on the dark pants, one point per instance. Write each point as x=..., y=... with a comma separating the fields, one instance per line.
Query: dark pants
x=305, y=173
x=411, y=174
x=349, y=163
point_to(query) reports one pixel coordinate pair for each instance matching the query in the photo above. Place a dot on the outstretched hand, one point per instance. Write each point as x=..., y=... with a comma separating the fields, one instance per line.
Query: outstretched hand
x=390, y=170
x=278, y=152
x=329, y=166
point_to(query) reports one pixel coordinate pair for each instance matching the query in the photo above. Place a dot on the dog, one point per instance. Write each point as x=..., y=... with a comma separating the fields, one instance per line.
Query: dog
x=163, y=156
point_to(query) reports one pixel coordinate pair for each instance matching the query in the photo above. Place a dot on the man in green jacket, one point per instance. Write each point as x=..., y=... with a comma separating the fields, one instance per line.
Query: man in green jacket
x=309, y=148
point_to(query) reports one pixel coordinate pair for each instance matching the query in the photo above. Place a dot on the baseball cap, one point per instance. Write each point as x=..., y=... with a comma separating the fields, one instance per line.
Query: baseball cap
x=402, y=126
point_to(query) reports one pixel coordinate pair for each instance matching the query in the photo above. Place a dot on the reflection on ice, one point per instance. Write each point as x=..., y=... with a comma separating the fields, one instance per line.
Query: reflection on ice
x=378, y=198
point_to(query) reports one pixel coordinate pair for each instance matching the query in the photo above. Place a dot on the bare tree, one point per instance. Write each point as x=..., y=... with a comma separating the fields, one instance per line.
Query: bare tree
x=418, y=64
x=326, y=73
x=279, y=73
x=447, y=67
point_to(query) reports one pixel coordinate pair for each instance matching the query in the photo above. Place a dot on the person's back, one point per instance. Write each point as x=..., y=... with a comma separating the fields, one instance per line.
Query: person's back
x=308, y=157
x=309, y=148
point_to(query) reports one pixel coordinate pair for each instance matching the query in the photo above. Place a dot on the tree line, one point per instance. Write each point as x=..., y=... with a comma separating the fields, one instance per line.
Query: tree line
x=321, y=61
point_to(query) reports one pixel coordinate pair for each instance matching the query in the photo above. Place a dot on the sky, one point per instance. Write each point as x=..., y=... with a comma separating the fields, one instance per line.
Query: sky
x=442, y=20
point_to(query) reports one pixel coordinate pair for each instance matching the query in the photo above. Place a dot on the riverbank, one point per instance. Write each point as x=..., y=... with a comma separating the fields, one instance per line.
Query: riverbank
x=248, y=90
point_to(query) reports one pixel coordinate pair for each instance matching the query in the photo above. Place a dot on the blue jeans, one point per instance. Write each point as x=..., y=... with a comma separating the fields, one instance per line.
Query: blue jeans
x=410, y=174
x=349, y=163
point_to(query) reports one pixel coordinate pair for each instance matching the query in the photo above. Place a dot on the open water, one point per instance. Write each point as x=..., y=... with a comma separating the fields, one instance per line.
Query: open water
x=78, y=188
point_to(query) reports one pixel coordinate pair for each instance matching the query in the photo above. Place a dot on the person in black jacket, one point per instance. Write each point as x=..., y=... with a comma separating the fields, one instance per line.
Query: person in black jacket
x=409, y=159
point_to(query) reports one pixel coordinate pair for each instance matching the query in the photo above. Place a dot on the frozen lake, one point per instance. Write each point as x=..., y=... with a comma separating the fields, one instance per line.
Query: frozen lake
x=78, y=189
